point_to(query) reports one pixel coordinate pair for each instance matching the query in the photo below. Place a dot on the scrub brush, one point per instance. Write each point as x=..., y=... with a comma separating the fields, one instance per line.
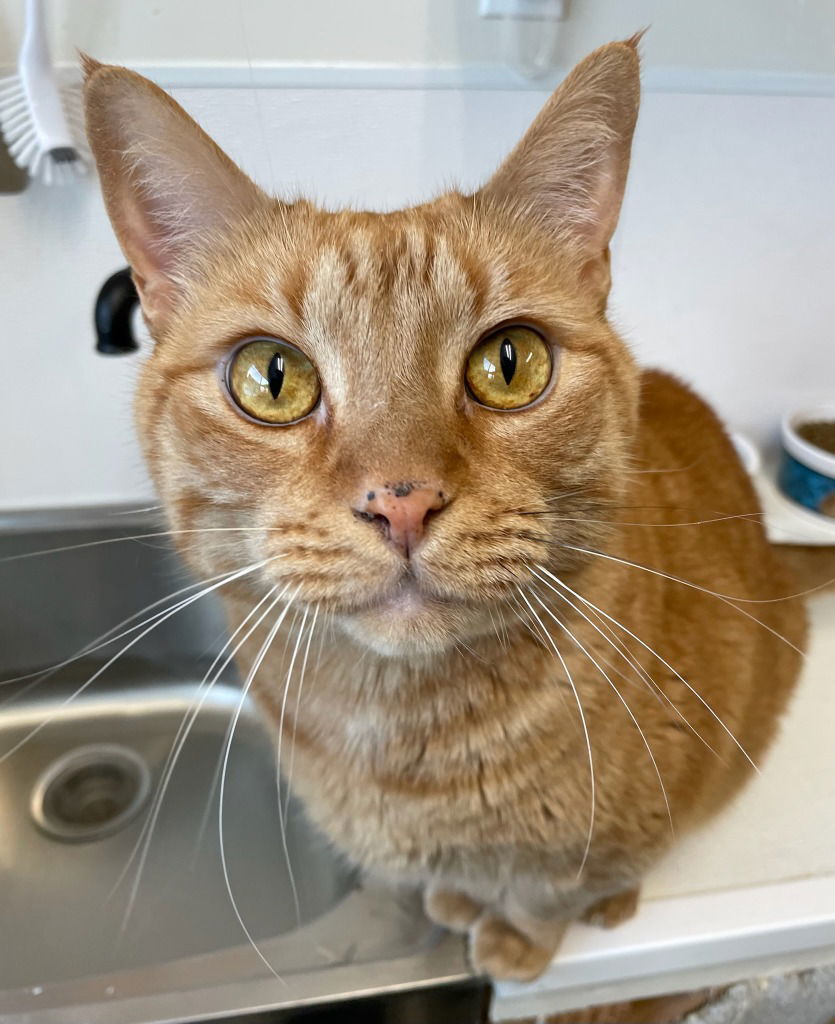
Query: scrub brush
x=33, y=120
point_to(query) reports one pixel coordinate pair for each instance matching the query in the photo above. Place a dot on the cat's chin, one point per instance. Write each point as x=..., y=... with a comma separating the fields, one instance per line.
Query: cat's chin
x=410, y=623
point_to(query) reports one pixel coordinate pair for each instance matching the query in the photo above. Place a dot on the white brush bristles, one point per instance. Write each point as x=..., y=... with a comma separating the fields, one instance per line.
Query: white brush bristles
x=36, y=121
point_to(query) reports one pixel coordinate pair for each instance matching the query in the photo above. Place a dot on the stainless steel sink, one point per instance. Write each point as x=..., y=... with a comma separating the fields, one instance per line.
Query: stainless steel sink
x=103, y=918
x=75, y=878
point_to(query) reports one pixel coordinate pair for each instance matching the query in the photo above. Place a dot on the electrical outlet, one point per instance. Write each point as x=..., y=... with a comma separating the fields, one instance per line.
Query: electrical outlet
x=542, y=10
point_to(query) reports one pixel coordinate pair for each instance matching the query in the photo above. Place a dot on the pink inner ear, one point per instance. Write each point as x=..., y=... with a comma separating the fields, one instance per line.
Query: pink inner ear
x=570, y=167
x=146, y=259
x=605, y=203
x=168, y=188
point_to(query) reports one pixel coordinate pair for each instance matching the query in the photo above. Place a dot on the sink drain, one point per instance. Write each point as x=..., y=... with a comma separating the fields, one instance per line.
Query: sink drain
x=90, y=793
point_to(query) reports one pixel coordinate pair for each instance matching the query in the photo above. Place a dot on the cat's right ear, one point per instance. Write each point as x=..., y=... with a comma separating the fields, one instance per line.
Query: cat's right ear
x=169, y=190
x=569, y=170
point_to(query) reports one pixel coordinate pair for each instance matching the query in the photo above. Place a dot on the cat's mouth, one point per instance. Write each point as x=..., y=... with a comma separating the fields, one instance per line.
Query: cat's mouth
x=408, y=599
x=412, y=619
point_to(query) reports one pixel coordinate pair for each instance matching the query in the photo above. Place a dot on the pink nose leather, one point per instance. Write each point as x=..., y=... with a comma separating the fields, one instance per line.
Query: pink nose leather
x=401, y=510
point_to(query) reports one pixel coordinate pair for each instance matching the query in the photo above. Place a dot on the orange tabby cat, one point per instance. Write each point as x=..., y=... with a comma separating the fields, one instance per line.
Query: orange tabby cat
x=420, y=429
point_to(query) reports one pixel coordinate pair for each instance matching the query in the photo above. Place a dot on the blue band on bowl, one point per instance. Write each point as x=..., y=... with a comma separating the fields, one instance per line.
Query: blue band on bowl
x=804, y=485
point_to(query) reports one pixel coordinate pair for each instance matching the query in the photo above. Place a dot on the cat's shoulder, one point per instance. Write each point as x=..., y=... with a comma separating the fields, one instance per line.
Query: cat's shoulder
x=663, y=393
x=672, y=408
x=679, y=428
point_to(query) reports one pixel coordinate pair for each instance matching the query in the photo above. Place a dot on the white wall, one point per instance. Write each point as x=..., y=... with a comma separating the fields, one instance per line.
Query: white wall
x=724, y=260
x=779, y=35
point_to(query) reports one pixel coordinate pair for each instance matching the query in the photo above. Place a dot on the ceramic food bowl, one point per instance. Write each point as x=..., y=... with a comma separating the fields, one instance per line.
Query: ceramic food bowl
x=807, y=470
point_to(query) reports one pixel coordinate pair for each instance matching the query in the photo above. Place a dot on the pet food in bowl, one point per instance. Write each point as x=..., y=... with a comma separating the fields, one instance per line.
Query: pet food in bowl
x=807, y=473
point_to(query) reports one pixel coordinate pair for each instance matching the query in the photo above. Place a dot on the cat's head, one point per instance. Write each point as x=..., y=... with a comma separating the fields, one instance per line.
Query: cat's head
x=405, y=411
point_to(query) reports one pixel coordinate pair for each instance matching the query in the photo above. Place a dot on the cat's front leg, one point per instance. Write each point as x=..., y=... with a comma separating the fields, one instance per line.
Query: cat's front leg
x=451, y=908
x=517, y=937
x=506, y=939
x=509, y=952
x=611, y=911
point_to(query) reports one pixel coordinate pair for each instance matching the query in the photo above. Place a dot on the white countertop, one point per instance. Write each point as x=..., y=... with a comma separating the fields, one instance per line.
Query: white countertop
x=752, y=892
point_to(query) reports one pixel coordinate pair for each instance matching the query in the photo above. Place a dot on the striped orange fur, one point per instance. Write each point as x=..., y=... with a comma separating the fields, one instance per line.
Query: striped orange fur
x=519, y=717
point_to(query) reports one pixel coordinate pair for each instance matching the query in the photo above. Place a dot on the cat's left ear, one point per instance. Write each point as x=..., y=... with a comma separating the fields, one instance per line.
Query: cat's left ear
x=569, y=171
x=169, y=190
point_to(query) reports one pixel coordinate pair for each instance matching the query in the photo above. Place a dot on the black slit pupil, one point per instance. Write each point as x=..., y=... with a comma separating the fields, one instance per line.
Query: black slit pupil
x=507, y=360
x=275, y=374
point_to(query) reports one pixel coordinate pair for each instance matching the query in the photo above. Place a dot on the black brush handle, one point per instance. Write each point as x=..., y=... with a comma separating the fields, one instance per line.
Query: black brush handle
x=113, y=312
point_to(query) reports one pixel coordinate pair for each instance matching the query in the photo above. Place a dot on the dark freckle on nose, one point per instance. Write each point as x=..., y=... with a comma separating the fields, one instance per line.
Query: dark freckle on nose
x=402, y=490
x=369, y=496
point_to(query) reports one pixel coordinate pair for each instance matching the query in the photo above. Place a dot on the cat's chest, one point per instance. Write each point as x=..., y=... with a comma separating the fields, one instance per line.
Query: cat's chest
x=372, y=784
x=407, y=792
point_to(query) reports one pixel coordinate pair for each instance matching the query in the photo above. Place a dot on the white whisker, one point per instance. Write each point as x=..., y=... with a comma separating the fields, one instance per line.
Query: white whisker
x=296, y=710
x=570, y=678
x=207, y=812
x=565, y=494
x=138, y=511
x=533, y=626
x=203, y=690
x=324, y=632
x=620, y=697
x=653, y=686
x=105, y=639
x=655, y=654
x=244, y=692
x=290, y=632
x=729, y=601
x=281, y=817
x=752, y=517
x=167, y=615
x=502, y=641
x=535, y=629
x=138, y=537
x=673, y=469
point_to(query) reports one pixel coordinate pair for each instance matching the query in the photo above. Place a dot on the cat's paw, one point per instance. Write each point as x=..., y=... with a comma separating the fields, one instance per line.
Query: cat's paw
x=613, y=910
x=503, y=952
x=450, y=908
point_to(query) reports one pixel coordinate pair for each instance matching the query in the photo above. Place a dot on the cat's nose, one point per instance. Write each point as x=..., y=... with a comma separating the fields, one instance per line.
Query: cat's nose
x=401, y=510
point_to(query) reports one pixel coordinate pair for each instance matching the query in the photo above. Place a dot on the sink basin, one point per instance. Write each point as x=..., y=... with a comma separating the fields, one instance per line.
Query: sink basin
x=118, y=907
x=69, y=885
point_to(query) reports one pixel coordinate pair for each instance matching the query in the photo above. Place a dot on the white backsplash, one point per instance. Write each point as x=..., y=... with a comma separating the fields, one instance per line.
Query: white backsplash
x=723, y=270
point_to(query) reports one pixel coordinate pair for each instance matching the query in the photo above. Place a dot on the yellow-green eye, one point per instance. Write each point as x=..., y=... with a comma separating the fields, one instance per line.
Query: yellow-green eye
x=273, y=382
x=509, y=369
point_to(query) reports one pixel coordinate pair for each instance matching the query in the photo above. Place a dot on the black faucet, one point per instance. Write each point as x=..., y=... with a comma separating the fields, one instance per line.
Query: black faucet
x=112, y=314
